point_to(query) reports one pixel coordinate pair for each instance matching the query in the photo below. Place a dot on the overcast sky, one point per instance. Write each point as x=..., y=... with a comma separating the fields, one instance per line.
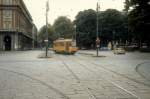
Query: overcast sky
x=68, y=8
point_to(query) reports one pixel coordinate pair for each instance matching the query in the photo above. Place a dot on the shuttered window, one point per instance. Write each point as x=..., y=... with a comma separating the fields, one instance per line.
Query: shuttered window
x=7, y=2
x=7, y=19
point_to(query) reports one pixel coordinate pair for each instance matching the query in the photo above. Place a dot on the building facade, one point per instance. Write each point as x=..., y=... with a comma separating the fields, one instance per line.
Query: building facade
x=17, y=31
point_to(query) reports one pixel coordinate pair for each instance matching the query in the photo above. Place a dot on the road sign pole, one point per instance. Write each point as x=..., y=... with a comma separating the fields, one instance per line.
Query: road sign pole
x=97, y=46
x=46, y=36
x=97, y=51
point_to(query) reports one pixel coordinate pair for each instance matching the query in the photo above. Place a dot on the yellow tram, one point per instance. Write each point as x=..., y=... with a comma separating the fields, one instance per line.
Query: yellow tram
x=65, y=46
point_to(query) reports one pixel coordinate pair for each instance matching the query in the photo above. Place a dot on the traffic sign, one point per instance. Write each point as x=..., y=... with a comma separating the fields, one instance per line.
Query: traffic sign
x=97, y=40
x=45, y=40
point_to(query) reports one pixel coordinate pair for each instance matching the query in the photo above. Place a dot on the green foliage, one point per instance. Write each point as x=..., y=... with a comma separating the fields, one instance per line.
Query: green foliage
x=63, y=27
x=43, y=35
x=139, y=19
x=127, y=6
x=86, y=27
x=112, y=24
x=139, y=2
x=110, y=21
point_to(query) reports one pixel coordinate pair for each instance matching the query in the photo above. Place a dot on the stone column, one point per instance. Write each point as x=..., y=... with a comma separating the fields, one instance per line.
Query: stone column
x=16, y=47
x=1, y=41
x=12, y=41
x=19, y=41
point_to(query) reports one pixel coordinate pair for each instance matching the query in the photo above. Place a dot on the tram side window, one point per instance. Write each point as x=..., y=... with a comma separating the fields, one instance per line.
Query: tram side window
x=59, y=44
x=69, y=44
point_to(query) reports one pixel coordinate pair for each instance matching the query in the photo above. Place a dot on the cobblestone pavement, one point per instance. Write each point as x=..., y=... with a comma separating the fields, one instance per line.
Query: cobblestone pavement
x=25, y=76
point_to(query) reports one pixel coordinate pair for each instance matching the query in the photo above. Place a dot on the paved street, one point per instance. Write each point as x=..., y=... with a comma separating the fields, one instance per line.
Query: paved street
x=25, y=76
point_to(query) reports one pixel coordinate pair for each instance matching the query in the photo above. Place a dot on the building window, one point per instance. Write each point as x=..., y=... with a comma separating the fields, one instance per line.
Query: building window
x=7, y=19
x=7, y=2
x=7, y=25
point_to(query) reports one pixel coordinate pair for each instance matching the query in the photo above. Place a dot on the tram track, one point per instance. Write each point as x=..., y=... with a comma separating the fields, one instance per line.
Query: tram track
x=39, y=81
x=117, y=73
x=138, y=71
x=90, y=70
x=113, y=83
x=23, y=61
x=78, y=79
x=134, y=80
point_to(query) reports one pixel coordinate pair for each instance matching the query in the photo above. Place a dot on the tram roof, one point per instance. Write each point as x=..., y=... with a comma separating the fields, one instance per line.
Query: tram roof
x=63, y=40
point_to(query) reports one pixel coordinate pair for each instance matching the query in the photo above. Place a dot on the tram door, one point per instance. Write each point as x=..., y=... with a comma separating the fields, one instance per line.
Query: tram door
x=7, y=43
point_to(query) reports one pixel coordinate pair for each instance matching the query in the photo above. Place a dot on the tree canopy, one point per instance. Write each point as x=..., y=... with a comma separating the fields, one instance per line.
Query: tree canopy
x=86, y=27
x=112, y=23
x=42, y=35
x=63, y=27
x=139, y=19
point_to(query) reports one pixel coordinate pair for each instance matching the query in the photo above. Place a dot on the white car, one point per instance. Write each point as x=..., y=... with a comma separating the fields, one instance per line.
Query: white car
x=119, y=50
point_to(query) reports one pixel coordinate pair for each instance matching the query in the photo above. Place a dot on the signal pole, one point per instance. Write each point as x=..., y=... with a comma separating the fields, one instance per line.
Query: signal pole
x=97, y=29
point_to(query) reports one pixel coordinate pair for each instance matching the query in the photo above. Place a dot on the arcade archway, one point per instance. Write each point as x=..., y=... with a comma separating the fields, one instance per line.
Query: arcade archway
x=7, y=43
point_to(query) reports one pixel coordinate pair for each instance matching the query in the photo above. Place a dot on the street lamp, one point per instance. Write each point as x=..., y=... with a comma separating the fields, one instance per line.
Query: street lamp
x=46, y=40
x=97, y=29
x=76, y=34
x=75, y=38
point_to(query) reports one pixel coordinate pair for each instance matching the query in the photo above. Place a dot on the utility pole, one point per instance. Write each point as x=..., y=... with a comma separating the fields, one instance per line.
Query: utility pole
x=46, y=40
x=33, y=37
x=97, y=29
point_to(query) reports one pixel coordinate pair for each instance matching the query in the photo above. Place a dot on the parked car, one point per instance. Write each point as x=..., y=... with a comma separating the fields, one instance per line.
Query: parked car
x=144, y=45
x=135, y=46
x=119, y=50
x=144, y=48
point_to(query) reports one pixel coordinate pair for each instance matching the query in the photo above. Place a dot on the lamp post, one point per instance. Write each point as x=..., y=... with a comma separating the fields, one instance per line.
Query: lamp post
x=46, y=40
x=75, y=35
x=33, y=37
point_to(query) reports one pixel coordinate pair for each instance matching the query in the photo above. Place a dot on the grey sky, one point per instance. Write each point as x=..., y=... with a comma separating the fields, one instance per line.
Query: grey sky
x=68, y=8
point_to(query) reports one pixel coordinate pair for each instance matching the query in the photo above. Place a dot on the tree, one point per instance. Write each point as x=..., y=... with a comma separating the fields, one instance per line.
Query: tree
x=42, y=34
x=63, y=27
x=127, y=6
x=86, y=28
x=110, y=21
x=139, y=20
x=113, y=25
